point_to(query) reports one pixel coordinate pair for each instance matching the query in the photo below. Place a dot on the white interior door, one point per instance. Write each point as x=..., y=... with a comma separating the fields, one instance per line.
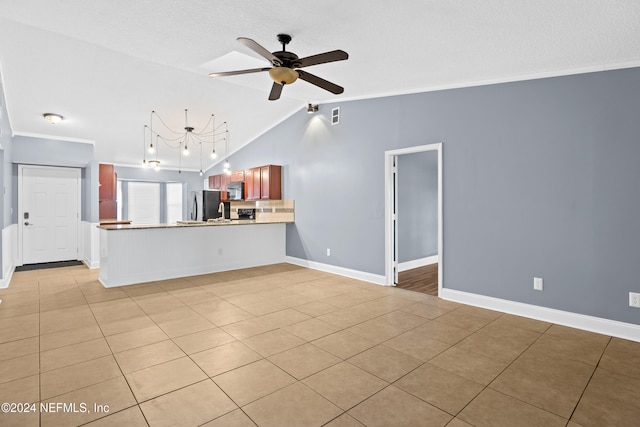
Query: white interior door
x=49, y=213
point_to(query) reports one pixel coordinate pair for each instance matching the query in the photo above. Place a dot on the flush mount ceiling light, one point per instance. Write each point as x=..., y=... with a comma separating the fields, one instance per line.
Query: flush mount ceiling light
x=52, y=118
x=181, y=140
x=312, y=108
x=155, y=164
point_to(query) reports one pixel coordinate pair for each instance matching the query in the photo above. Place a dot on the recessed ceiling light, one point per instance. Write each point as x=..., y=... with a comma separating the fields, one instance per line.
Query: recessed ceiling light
x=52, y=118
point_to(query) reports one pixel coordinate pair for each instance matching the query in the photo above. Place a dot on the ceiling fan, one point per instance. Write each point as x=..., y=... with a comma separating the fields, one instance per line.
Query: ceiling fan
x=286, y=66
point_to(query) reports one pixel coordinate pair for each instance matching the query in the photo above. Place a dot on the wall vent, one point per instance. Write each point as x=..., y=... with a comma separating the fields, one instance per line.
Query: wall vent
x=335, y=116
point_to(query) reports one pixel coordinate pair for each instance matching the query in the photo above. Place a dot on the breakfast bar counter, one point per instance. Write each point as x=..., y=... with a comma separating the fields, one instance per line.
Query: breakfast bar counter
x=143, y=253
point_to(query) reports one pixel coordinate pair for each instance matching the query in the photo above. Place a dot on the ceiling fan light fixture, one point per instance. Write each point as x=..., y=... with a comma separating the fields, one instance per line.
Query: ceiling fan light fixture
x=283, y=75
x=53, y=118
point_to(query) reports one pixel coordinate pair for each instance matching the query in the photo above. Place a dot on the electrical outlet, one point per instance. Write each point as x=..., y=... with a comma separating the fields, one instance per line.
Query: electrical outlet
x=634, y=299
x=328, y=252
x=537, y=283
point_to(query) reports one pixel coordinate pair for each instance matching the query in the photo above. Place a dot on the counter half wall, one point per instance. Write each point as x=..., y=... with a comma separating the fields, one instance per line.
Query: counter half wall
x=137, y=255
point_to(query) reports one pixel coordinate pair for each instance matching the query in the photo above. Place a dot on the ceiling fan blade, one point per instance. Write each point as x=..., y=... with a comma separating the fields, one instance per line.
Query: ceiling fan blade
x=322, y=83
x=276, y=90
x=232, y=73
x=257, y=48
x=322, y=58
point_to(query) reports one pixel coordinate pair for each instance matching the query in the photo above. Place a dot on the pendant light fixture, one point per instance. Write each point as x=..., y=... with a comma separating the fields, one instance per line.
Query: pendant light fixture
x=184, y=141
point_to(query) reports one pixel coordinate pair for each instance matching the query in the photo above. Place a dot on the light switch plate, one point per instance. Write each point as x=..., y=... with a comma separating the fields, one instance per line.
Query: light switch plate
x=537, y=283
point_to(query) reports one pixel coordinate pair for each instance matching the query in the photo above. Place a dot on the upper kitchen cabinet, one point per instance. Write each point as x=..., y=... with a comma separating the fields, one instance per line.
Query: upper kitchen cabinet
x=107, y=178
x=237, y=176
x=107, y=189
x=214, y=182
x=264, y=183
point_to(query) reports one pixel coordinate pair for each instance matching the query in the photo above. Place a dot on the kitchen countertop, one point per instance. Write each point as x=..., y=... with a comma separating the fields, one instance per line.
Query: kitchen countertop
x=183, y=224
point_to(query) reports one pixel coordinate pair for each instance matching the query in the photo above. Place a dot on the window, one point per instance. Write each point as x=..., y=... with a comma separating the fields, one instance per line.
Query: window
x=174, y=202
x=144, y=202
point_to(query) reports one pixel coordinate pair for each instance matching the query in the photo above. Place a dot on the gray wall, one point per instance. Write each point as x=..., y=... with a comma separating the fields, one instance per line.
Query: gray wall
x=417, y=205
x=540, y=179
x=50, y=152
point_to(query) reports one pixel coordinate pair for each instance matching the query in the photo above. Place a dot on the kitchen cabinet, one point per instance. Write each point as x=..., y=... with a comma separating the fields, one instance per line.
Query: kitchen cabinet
x=264, y=183
x=107, y=182
x=214, y=182
x=224, y=180
x=237, y=176
x=107, y=192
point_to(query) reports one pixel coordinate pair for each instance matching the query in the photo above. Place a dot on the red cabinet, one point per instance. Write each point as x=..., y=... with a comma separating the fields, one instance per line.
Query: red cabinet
x=224, y=180
x=214, y=182
x=237, y=176
x=107, y=191
x=265, y=183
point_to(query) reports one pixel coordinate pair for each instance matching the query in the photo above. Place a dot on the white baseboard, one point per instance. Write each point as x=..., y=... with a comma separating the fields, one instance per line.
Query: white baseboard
x=9, y=236
x=91, y=244
x=341, y=271
x=421, y=262
x=599, y=325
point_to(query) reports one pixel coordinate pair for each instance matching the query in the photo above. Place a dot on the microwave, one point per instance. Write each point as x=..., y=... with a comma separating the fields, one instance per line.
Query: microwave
x=235, y=191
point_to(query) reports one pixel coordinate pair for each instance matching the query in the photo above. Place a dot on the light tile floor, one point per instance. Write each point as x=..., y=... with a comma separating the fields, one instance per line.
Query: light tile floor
x=287, y=346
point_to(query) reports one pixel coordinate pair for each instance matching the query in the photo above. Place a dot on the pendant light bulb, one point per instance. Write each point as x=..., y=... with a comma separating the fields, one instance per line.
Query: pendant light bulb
x=213, y=154
x=201, y=173
x=186, y=150
x=151, y=149
x=144, y=163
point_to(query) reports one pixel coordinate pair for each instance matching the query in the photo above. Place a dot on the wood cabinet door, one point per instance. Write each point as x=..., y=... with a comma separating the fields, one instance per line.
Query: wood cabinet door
x=107, y=179
x=264, y=182
x=271, y=182
x=237, y=176
x=214, y=182
x=224, y=180
x=253, y=184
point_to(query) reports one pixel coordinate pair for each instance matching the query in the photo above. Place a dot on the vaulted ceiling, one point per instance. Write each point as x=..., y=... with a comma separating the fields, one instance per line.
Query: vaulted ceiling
x=105, y=65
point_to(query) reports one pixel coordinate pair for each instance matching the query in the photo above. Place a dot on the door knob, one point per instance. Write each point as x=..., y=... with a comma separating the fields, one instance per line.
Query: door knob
x=27, y=223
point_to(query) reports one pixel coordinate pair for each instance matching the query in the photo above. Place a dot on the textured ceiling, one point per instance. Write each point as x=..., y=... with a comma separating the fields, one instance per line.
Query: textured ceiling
x=105, y=65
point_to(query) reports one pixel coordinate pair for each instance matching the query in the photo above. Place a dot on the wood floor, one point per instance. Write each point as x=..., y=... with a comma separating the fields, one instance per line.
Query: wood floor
x=421, y=279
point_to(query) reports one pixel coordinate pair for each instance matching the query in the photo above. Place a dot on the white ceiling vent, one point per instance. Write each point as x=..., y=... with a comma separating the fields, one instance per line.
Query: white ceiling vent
x=335, y=116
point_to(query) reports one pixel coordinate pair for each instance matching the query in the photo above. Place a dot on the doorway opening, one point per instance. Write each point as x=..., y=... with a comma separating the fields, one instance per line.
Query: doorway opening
x=427, y=268
x=48, y=214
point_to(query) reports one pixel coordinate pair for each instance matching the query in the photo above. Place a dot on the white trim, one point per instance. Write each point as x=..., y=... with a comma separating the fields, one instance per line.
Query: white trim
x=91, y=240
x=341, y=271
x=415, y=263
x=599, y=325
x=388, y=209
x=55, y=137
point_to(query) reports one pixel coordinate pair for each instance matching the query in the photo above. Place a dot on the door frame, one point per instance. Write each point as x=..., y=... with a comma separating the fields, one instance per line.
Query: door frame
x=20, y=225
x=390, y=198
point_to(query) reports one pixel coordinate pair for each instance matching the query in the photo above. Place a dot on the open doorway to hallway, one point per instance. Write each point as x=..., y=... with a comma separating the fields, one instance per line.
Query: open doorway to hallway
x=413, y=210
